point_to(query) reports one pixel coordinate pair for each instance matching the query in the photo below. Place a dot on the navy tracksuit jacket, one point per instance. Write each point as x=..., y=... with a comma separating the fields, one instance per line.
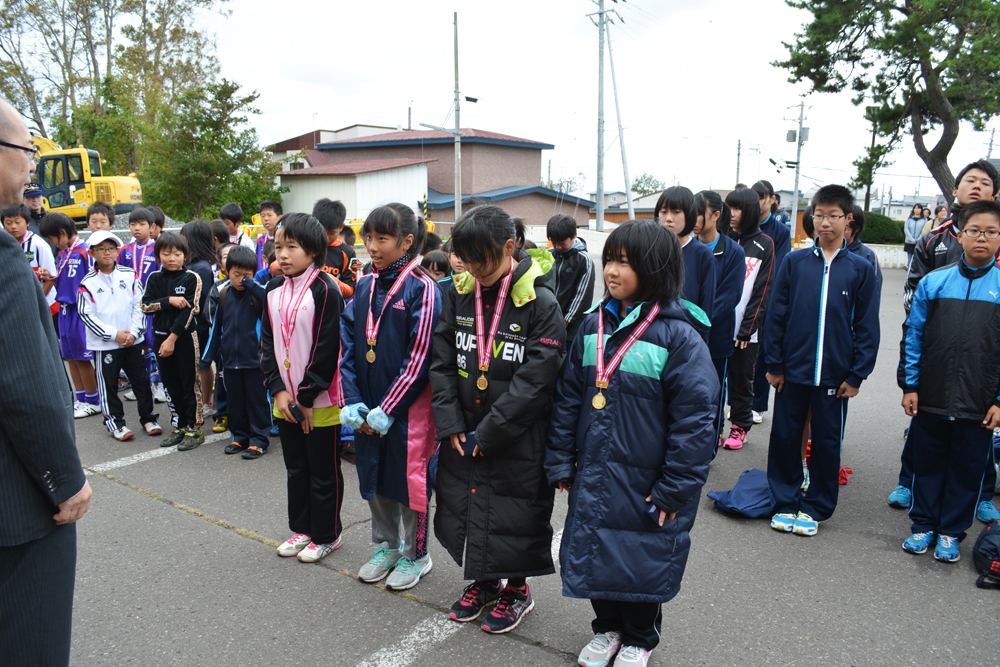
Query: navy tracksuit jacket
x=730, y=270
x=781, y=235
x=822, y=329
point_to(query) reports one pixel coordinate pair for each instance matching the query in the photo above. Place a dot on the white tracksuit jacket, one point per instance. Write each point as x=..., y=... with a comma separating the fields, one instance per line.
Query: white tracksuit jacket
x=109, y=303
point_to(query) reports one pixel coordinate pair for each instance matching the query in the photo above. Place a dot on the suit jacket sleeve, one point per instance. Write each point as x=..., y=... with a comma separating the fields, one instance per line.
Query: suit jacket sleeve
x=37, y=424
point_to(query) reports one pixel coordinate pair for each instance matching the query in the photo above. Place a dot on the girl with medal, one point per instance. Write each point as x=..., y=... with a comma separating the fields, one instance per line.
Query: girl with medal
x=386, y=336
x=632, y=434
x=300, y=349
x=497, y=352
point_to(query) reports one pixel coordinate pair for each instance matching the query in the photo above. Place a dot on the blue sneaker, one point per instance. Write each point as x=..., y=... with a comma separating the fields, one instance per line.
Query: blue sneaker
x=274, y=430
x=901, y=497
x=987, y=512
x=805, y=525
x=946, y=550
x=783, y=522
x=918, y=543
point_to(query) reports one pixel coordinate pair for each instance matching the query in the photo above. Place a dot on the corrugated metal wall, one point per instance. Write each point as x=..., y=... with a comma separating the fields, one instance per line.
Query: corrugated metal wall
x=406, y=185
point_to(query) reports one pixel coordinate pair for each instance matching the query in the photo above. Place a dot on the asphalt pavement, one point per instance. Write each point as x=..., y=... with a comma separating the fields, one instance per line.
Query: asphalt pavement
x=177, y=566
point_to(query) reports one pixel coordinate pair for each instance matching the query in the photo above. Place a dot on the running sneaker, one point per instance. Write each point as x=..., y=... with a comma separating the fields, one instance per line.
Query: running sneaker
x=946, y=550
x=84, y=410
x=987, y=512
x=255, y=452
x=294, y=544
x=122, y=434
x=233, y=448
x=600, y=650
x=273, y=431
x=383, y=559
x=314, y=553
x=918, y=543
x=783, y=522
x=159, y=393
x=511, y=608
x=348, y=453
x=130, y=396
x=737, y=436
x=192, y=439
x=476, y=597
x=805, y=525
x=408, y=573
x=758, y=417
x=633, y=655
x=123, y=384
x=221, y=425
x=175, y=438
x=152, y=428
x=901, y=497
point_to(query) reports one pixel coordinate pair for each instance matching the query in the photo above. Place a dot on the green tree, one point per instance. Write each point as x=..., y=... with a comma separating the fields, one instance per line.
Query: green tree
x=207, y=155
x=928, y=65
x=647, y=184
x=565, y=185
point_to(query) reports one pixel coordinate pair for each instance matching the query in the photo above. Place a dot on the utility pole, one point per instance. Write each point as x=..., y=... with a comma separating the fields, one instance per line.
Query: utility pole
x=600, y=116
x=458, y=136
x=871, y=174
x=739, y=148
x=798, y=168
x=989, y=151
x=409, y=116
x=621, y=134
x=549, y=184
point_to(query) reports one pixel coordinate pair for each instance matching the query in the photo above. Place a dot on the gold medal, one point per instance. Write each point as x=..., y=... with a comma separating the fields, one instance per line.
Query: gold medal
x=370, y=356
x=482, y=383
x=599, y=401
x=288, y=364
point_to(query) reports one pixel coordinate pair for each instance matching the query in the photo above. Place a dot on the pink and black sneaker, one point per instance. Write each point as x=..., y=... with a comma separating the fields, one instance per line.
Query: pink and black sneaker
x=477, y=596
x=737, y=436
x=511, y=608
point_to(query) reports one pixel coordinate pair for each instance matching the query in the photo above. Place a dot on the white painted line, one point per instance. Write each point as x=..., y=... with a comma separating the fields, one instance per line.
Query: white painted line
x=145, y=456
x=423, y=637
x=556, y=541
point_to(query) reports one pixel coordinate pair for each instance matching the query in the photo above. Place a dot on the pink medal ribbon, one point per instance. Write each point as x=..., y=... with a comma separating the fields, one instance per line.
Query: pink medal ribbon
x=69, y=253
x=484, y=347
x=371, y=328
x=604, y=374
x=289, y=317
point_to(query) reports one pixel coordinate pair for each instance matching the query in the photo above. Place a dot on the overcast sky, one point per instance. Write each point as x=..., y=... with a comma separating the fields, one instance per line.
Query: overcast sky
x=692, y=80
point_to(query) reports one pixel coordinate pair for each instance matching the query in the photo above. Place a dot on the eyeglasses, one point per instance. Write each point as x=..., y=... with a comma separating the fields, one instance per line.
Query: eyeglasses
x=108, y=249
x=990, y=234
x=33, y=151
x=831, y=218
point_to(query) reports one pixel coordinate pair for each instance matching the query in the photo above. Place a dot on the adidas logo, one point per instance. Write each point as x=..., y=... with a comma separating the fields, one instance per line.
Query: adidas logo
x=399, y=305
x=100, y=290
x=940, y=249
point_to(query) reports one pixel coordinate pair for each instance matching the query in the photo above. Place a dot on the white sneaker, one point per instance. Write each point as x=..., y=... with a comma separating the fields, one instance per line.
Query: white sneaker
x=407, y=573
x=600, y=650
x=633, y=655
x=758, y=417
x=123, y=434
x=152, y=428
x=159, y=393
x=294, y=544
x=727, y=411
x=314, y=553
x=84, y=410
x=130, y=396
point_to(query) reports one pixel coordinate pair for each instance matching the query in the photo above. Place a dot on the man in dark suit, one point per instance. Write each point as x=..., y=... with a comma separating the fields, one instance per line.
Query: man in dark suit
x=42, y=487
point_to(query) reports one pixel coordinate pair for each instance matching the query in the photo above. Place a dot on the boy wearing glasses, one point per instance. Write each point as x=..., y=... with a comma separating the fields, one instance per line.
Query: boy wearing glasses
x=823, y=332
x=951, y=370
x=109, y=302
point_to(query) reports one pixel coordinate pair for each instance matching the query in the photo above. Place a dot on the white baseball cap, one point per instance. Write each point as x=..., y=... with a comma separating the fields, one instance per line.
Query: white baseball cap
x=101, y=236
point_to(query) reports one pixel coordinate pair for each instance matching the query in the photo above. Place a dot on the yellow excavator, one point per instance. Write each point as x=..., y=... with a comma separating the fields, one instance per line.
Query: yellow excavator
x=73, y=179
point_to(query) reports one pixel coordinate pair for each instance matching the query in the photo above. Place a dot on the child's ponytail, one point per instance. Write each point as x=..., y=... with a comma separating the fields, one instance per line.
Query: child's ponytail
x=707, y=200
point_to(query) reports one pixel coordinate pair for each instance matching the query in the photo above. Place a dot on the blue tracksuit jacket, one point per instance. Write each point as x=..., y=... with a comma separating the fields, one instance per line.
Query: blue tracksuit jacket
x=782, y=237
x=730, y=270
x=699, y=276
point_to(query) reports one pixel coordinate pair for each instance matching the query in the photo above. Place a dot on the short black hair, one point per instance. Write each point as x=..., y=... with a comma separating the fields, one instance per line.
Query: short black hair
x=764, y=189
x=397, y=220
x=198, y=234
x=807, y=222
x=432, y=242
x=706, y=201
x=777, y=198
x=19, y=211
x=220, y=231
x=678, y=198
x=437, y=260
x=140, y=215
x=268, y=250
x=308, y=233
x=857, y=222
x=232, y=212
x=223, y=246
x=747, y=203
x=985, y=167
x=481, y=235
x=101, y=207
x=561, y=227
x=654, y=253
x=977, y=207
x=54, y=222
x=348, y=235
x=331, y=214
x=241, y=257
x=171, y=240
x=159, y=219
x=834, y=195
x=740, y=186
x=270, y=205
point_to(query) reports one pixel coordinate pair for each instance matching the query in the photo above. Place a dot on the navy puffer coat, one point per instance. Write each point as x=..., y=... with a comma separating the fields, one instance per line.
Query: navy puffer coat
x=654, y=437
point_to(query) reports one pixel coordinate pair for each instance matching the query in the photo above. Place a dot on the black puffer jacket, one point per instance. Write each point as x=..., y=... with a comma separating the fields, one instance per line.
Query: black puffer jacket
x=493, y=511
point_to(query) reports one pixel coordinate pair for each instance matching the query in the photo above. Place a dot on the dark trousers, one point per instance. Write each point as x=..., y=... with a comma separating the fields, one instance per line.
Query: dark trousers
x=906, y=471
x=179, y=373
x=741, y=368
x=109, y=364
x=639, y=622
x=722, y=368
x=249, y=412
x=36, y=599
x=315, y=482
x=784, y=456
x=949, y=456
x=761, y=387
x=222, y=396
